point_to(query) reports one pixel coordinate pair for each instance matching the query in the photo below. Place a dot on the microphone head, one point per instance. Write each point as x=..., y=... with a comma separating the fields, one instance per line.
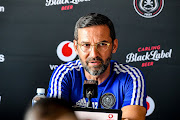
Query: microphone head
x=90, y=88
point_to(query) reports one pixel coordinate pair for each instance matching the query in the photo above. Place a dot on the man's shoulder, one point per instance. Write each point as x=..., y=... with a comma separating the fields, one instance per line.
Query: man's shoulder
x=124, y=68
x=71, y=65
x=66, y=69
x=127, y=73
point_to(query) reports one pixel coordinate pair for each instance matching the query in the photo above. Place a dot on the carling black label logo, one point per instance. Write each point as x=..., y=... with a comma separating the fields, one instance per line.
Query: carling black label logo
x=66, y=4
x=148, y=8
x=148, y=55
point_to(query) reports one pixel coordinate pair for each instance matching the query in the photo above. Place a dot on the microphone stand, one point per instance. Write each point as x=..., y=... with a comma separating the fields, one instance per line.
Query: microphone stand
x=90, y=91
x=89, y=96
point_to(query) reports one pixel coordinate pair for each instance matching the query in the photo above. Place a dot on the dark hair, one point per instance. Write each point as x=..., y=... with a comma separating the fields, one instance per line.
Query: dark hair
x=93, y=19
x=52, y=108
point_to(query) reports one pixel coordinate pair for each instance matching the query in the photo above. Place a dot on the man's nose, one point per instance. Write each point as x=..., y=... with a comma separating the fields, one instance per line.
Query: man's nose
x=94, y=52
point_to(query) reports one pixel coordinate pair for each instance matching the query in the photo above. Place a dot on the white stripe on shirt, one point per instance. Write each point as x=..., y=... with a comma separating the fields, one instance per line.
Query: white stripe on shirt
x=60, y=72
x=136, y=77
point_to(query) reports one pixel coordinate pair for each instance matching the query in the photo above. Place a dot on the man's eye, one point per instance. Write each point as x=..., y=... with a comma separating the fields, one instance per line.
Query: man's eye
x=86, y=45
x=102, y=44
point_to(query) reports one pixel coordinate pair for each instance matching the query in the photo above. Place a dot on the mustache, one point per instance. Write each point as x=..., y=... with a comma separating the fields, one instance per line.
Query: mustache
x=96, y=58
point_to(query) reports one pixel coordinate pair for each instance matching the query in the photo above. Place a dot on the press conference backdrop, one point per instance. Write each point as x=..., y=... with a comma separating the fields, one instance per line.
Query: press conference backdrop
x=36, y=36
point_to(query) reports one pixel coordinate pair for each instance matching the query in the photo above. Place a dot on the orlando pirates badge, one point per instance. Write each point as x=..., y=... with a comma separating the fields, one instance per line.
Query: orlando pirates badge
x=148, y=8
x=107, y=100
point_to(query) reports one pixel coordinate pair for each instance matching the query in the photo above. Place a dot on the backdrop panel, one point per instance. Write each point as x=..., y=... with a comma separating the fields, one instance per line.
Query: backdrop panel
x=31, y=31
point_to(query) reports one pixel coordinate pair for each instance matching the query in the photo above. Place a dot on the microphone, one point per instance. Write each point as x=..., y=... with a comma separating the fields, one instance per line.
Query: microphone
x=90, y=91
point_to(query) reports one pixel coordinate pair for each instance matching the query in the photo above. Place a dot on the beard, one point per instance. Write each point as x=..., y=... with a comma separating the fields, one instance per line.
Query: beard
x=98, y=69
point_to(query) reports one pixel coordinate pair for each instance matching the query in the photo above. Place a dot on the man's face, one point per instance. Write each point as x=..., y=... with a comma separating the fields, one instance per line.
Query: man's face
x=95, y=62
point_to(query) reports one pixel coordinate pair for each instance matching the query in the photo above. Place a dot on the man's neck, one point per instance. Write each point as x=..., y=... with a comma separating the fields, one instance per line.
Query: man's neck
x=99, y=78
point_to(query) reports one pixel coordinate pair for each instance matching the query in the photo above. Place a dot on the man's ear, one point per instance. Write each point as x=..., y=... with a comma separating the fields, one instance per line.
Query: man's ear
x=75, y=46
x=115, y=46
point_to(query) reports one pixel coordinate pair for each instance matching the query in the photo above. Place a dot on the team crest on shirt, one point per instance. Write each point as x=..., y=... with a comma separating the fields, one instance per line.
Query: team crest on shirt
x=108, y=100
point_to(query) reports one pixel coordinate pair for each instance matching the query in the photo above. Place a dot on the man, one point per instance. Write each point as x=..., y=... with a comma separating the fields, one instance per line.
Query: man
x=50, y=109
x=119, y=86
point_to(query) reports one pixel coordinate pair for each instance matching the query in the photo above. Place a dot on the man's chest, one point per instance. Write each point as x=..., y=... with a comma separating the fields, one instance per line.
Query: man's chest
x=109, y=97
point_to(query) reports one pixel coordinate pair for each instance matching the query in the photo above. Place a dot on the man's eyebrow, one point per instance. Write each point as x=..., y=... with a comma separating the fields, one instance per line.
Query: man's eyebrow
x=104, y=41
x=85, y=42
x=97, y=42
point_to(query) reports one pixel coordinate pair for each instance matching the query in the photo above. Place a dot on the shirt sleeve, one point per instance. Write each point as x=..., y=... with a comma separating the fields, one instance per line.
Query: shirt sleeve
x=59, y=85
x=135, y=88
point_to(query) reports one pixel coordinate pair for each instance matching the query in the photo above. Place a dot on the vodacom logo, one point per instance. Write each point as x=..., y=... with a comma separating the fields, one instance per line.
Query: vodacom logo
x=150, y=105
x=110, y=115
x=65, y=51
